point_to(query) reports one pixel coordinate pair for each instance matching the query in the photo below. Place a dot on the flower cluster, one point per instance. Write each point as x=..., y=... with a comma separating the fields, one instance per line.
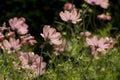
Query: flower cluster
x=70, y=14
x=99, y=45
x=14, y=37
x=102, y=3
x=15, y=40
x=12, y=41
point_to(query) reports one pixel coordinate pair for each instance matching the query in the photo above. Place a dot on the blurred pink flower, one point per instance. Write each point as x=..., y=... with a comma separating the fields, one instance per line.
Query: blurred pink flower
x=58, y=49
x=69, y=6
x=51, y=34
x=94, y=52
x=92, y=42
x=6, y=30
x=104, y=17
x=100, y=45
x=111, y=42
x=10, y=34
x=19, y=25
x=72, y=16
x=33, y=62
x=28, y=39
x=12, y=45
x=92, y=2
x=3, y=28
x=102, y=3
x=2, y=37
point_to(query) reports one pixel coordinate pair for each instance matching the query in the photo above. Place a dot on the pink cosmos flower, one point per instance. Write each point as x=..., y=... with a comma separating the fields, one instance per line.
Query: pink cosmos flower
x=102, y=3
x=12, y=45
x=72, y=16
x=69, y=6
x=99, y=45
x=102, y=45
x=33, y=62
x=51, y=34
x=104, y=17
x=19, y=25
x=28, y=39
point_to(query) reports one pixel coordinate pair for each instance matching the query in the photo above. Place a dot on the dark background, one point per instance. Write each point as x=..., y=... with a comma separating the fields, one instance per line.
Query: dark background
x=41, y=12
